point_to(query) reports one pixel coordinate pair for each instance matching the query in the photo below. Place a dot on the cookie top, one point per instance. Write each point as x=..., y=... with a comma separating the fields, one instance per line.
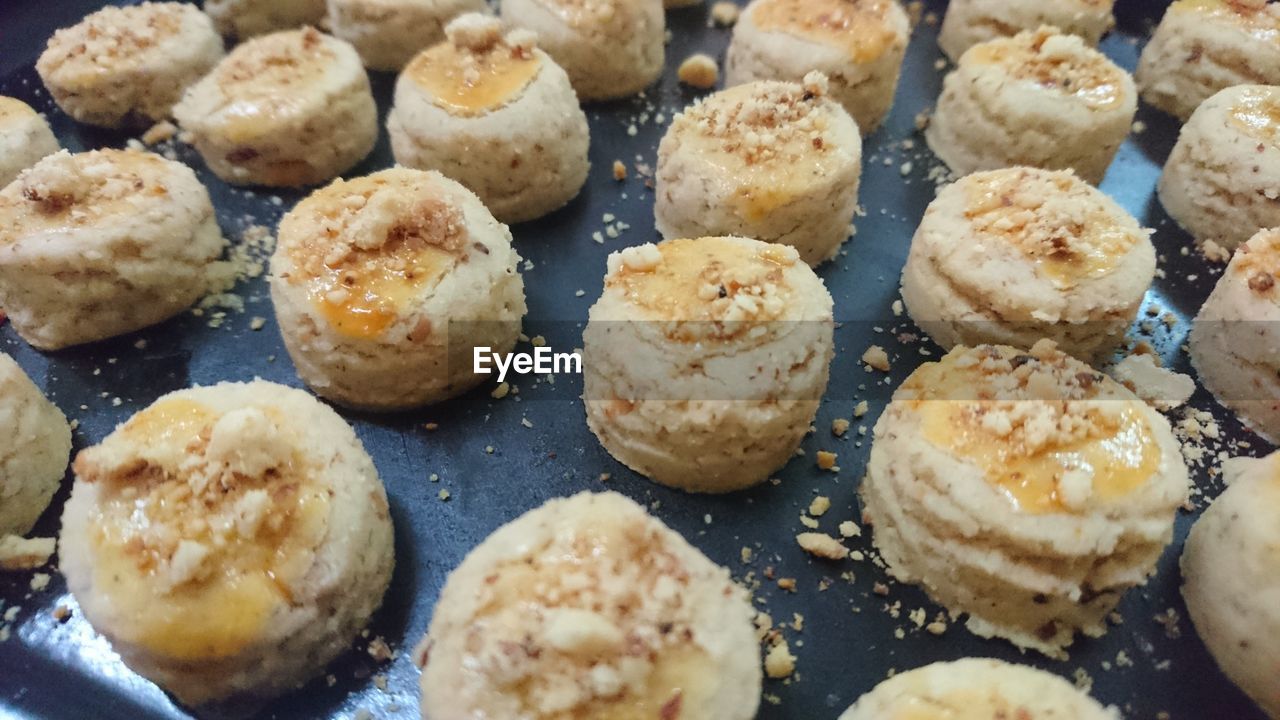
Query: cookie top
x=1257, y=18
x=864, y=29
x=476, y=69
x=14, y=112
x=1046, y=430
x=1255, y=111
x=1047, y=62
x=120, y=40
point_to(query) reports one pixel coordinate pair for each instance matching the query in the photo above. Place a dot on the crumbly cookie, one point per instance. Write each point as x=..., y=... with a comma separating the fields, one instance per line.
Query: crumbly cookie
x=969, y=22
x=35, y=441
x=103, y=243
x=774, y=161
x=244, y=19
x=1040, y=99
x=129, y=65
x=704, y=360
x=25, y=137
x=496, y=114
x=1015, y=255
x=858, y=44
x=228, y=540
x=1024, y=490
x=286, y=109
x=384, y=284
x=588, y=607
x=388, y=33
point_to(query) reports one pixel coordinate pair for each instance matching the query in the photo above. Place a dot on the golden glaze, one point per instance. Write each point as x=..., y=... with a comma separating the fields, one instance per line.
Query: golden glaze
x=1088, y=77
x=1260, y=22
x=467, y=83
x=861, y=27
x=1258, y=114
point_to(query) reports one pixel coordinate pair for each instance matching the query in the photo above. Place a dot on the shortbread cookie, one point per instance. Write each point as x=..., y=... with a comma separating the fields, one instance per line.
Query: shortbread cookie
x=969, y=22
x=977, y=689
x=704, y=360
x=103, y=243
x=1222, y=180
x=388, y=33
x=245, y=18
x=1015, y=255
x=588, y=607
x=774, y=161
x=25, y=137
x=385, y=284
x=35, y=441
x=1203, y=46
x=1023, y=489
x=290, y=108
x=129, y=65
x=497, y=115
x=1235, y=340
x=609, y=48
x=228, y=540
x=1039, y=99
x=1231, y=578
x=857, y=44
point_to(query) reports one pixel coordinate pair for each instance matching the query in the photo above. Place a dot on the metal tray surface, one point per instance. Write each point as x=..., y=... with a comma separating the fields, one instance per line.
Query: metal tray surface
x=495, y=468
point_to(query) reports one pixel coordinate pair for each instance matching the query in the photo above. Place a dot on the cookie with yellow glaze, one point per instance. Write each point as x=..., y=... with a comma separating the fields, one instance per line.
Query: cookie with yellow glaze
x=774, y=161
x=228, y=540
x=1022, y=489
x=1015, y=255
x=969, y=22
x=589, y=608
x=977, y=689
x=384, y=284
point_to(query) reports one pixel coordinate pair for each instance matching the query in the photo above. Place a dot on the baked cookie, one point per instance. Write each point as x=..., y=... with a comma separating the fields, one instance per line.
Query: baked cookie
x=587, y=607
x=290, y=108
x=388, y=33
x=384, y=285
x=228, y=540
x=857, y=44
x=1040, y=99
x=1231, y=577
x=129, y=65
x=774, y=161
x=969, y=22
x=609, y=48
x=1222, y=180
x=103, y=243
x=1203, y=46
x=245, y=18
x=25, y=137
x=1235, y=339
x=35, y=441
x=1024, y=490
x=977, y=688
x=1016, y=255
x=496, y=114
x=704, y=360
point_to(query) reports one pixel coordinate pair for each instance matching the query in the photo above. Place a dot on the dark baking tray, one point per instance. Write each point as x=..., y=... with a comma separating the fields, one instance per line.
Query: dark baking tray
x=848, y=642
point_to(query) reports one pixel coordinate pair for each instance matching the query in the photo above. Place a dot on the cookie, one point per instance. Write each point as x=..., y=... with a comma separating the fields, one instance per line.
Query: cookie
x=704, y=360
x=496, y=114
x=388, y=33
x=35, y=441
x=25, y=137
x=244, y=19
x=969, y=22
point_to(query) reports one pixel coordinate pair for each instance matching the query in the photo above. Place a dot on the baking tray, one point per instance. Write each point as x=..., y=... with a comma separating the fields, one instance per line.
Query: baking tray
x=494, y=467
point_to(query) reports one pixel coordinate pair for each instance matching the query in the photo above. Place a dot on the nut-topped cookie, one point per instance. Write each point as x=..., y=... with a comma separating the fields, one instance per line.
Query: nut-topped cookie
x=243, y=19
x=969, y=22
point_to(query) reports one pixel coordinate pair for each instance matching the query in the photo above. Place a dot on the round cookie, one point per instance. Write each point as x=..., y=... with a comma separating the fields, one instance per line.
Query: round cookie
x=610, y=48
x=388, y=33
x=228, y=540
x=1235, y=339
x=704, y=360
x=969, y=22
x=385, y=284
x=35, y=441
x=857, y=44
x=245, y=18
x=767, y=160
x=1023, y=489
x=25, y=137
x=1231, y=578
x=1222, y=180
x=1016, y=255
x=286, y=109
x=129, y=65
x=497, y=115
x=1039, y=99
x=587, y=607
x=1203, y=46
x=103, y=243
x=977, y=688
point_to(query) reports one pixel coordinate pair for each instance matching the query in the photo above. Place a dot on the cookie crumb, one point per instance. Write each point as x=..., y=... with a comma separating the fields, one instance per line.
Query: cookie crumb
x=724, y=14
x=699, y=71
x=876, y=358
x=619, y=170
x=822, y=545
